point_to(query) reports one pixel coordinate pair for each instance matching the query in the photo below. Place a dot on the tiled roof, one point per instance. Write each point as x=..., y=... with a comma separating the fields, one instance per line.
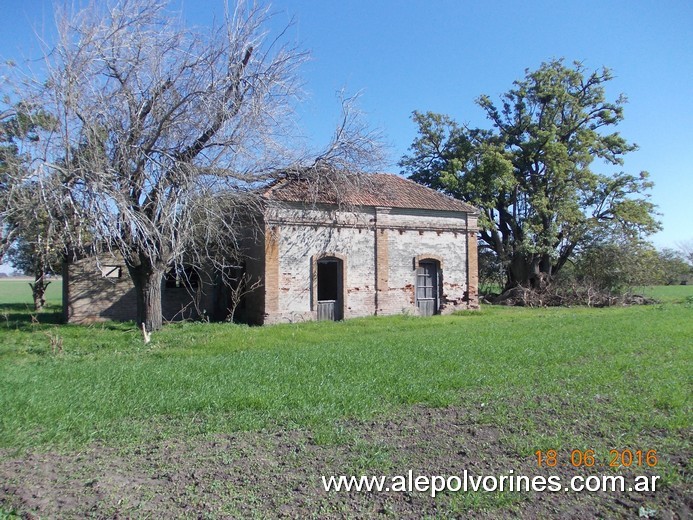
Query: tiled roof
x=381, y=189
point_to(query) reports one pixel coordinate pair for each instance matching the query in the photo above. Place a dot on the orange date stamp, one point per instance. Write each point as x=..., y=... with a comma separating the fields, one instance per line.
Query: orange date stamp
x=625, y=458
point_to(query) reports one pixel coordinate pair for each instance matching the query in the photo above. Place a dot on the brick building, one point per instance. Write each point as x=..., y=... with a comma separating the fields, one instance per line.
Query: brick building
x=389, y=246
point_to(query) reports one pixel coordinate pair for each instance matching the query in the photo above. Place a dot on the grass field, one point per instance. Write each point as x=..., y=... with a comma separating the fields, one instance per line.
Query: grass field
x=560, y=378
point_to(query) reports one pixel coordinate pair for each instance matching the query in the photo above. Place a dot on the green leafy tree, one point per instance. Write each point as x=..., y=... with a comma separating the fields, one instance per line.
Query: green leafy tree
x=532, y=173
x=19, y=124
x=28, y=236
x=37, y=252
x=619, y=265
x=673, y=267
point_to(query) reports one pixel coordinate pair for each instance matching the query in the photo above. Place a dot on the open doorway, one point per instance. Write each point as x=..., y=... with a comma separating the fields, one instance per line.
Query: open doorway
x=330, y=285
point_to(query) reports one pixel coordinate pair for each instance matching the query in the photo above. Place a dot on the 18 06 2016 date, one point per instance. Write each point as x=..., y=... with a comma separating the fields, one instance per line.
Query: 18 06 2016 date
x=587, y=458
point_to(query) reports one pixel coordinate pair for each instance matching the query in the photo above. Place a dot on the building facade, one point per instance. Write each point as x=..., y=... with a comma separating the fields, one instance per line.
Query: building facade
x=390, y=246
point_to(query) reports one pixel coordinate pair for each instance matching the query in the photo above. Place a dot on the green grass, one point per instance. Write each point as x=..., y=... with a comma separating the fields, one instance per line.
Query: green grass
x=8, y=515
x=620, y=371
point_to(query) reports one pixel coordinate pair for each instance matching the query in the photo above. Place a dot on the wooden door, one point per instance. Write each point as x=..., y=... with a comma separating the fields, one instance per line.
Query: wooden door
x=427, y=288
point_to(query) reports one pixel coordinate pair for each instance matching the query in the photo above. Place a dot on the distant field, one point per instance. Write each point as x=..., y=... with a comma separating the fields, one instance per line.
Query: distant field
x=18, y=291
x=668, y=293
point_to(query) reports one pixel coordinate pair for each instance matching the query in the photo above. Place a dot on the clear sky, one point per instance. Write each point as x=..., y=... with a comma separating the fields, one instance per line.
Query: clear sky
x=439, y=55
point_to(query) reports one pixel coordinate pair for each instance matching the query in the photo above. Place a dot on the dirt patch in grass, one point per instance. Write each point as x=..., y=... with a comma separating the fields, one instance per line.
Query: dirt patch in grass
x=278, y=474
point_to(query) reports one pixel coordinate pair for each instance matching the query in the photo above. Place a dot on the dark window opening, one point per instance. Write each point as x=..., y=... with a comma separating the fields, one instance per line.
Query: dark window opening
x=182, y=277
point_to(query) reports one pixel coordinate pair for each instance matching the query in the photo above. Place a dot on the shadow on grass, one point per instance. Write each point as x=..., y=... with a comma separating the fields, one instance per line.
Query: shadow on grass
x=23, y=315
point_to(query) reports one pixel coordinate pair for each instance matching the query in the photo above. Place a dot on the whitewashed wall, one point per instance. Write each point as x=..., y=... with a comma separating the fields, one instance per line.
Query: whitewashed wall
x=304, y=233
x=424, y=234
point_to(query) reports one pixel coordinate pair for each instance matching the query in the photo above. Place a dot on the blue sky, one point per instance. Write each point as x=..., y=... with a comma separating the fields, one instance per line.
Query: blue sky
x=440, y=55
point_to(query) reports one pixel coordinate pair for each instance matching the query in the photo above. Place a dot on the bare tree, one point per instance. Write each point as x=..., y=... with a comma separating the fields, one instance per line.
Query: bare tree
x=242, y=286
x=163, y=128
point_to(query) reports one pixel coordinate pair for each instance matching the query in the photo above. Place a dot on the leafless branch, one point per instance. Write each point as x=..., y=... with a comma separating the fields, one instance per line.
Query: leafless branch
x=164, y=133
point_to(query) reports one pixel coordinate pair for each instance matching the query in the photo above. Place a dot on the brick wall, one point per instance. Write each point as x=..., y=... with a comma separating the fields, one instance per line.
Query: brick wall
x=90, y=296
x=473, y=269
x=100, y=289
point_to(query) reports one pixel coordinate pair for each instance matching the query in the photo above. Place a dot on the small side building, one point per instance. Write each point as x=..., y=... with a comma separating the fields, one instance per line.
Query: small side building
x=99, y=288
x=385, y=246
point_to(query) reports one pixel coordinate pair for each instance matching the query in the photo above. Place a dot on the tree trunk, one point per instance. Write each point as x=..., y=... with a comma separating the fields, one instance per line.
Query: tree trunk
x=38, y=290
x=529, y=270
x=519, y=270
x=148, y=279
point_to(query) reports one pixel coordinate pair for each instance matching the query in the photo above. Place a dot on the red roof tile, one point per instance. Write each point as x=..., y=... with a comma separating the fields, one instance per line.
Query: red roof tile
x=381, y=189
